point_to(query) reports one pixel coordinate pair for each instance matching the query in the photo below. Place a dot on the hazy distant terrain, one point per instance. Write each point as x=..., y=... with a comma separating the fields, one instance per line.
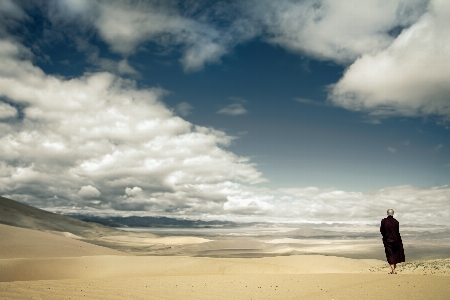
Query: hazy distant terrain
x=177, y=237
x=231, y=239
x=135, y=221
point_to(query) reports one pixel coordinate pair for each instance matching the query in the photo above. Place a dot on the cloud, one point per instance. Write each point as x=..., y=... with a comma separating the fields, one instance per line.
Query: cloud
x=124, y=68
x=102, y=133
x=11, y=9
x=396, y=49
x=180, y=26
x=372, y=120
x=392, y=150
x=410, y=77
x=425, y=206
x=133, y=192
x=75, y=6
x=411, y=205
x=89, y=191
x=7, y=111
x=204, y=32
x=183, y=109
x=235, y=109
x=330, y=30
x=248, y=206
x=309, y=102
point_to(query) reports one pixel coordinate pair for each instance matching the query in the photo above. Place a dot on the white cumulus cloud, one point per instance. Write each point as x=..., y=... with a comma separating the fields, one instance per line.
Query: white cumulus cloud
x=101, y=129
x=332, y=30
x=133, y=192
x=89, y=191
x=411, y=77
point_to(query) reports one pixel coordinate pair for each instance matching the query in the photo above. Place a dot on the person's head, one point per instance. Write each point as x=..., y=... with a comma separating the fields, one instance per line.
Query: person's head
x=390, y=212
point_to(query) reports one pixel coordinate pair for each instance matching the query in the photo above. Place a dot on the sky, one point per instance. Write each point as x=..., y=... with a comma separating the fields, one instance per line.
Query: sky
x=252, y=110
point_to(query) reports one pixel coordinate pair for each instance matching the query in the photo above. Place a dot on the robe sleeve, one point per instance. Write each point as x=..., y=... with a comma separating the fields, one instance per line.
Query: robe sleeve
x=383, y=229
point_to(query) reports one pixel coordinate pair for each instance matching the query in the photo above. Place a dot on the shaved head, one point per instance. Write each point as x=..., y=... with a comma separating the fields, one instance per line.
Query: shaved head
x=390, y=212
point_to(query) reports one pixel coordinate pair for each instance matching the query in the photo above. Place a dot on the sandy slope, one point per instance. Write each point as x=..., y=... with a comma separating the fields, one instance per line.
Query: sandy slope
x=43, y=265
x=92, y=267
x=146, y=277
x=139, y=241
x=26, y=243
x=267, y=286
x=21, y=215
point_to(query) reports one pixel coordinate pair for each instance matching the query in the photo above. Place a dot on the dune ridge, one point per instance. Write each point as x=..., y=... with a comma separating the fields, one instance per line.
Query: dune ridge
x=17, y=214
x=107, y=266
x=19, y=242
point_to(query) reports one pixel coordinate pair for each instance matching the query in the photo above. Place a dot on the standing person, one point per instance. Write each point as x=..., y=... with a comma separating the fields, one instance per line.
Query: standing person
x=393, y=245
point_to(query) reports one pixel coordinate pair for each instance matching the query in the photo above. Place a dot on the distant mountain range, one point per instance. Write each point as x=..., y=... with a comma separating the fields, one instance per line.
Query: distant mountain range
x=160, y=222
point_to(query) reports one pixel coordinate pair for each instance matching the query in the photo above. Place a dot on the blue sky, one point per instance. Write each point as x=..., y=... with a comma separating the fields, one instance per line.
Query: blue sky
x=248, y=110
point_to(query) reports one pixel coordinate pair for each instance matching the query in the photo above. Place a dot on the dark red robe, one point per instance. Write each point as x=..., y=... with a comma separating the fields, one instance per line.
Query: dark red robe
x=393, y=245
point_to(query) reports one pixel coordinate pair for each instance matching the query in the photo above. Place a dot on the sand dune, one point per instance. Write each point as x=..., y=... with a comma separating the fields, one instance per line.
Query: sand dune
x=57, y=263
x=26, y=243
x=21, y=215
x=33, y=255
x=91, y=267
x=173, y=240
x=291, y=277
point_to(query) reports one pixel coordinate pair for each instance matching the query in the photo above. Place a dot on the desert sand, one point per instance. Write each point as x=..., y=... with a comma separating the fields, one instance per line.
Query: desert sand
x=56, y=258
x=42, y=265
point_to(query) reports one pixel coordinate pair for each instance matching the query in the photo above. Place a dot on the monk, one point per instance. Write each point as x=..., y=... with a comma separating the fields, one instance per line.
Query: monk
x=393, y=245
